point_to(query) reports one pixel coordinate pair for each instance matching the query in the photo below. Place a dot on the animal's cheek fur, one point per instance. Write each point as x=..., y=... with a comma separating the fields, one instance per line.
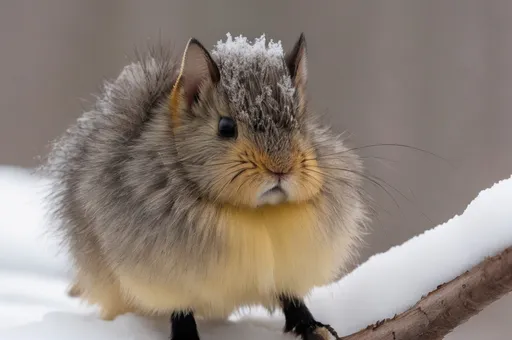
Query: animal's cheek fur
x=241, y=190
x=303, y=186
x=245, y=171
x=236, y=178
x=247, y=187
x=234, y=181
x=306, y=179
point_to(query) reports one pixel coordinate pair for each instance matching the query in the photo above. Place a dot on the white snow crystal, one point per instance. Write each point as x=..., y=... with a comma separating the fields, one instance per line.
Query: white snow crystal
x=253, y=73
x=244, y=52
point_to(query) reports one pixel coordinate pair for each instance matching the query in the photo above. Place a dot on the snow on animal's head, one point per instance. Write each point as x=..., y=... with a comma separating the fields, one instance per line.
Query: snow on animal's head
x=259, y=91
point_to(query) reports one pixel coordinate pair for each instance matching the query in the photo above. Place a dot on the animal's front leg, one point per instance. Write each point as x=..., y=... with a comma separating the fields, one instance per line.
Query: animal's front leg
x=183, y=326
x=300, y=321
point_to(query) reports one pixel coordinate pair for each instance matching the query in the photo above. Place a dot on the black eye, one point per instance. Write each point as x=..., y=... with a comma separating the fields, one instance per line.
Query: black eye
x=227, y=127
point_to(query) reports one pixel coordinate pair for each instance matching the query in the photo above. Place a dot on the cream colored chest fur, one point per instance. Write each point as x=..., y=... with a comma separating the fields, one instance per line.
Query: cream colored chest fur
x=271, y=250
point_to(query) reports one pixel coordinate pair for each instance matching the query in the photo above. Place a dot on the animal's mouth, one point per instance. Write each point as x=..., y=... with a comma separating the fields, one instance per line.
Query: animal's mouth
x=274, y=190
x=274, y=195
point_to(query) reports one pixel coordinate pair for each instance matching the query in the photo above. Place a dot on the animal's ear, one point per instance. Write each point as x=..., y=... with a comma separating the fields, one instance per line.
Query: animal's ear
x=197, y=69
x=296, y=61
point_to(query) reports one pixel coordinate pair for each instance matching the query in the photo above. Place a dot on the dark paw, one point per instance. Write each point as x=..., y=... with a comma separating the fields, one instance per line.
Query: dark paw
x=313, y=332
x=318, y=333
x=186, y=337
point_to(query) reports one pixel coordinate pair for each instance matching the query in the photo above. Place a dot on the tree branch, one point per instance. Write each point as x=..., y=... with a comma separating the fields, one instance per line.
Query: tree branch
x=450, y=305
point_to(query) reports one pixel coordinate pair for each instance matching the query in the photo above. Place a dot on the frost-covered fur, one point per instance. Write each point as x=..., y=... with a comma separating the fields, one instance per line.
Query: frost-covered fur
x=255, y=79
x=153, y=214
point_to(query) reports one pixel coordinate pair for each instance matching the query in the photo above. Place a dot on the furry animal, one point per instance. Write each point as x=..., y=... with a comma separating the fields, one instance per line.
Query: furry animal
x=197, y=187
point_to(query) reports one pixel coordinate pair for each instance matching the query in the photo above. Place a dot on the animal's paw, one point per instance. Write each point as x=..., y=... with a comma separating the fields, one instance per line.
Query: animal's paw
x=317, y=333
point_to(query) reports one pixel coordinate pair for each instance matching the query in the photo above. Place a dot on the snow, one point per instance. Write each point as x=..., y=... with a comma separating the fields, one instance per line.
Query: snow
x=257, y=63
x=242, y=50
x=34, y=277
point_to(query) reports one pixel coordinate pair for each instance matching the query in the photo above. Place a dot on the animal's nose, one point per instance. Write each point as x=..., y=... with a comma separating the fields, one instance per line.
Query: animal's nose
x=279, y=169
x=279, y=174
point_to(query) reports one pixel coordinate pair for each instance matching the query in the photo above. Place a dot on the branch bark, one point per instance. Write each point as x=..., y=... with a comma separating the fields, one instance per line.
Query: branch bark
x=450, y=305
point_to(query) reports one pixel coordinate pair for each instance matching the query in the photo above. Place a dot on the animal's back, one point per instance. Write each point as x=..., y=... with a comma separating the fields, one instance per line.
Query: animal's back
x=86, y=168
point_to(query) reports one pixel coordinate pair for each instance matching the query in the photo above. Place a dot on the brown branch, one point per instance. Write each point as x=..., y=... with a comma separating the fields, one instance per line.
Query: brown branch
x=450, y=305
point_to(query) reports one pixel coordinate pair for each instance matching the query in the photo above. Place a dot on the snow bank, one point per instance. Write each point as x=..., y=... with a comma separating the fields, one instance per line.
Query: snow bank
x=24, y=242
x=33, y=276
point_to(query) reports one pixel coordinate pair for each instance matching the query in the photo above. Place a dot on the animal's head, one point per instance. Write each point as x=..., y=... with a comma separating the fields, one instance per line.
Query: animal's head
x=239, y=119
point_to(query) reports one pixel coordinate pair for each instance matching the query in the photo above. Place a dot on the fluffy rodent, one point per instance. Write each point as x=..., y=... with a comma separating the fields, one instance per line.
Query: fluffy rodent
x=161, y=212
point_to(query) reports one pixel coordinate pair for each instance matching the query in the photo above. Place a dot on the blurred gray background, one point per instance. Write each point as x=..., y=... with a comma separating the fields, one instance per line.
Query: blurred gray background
x=436, y=75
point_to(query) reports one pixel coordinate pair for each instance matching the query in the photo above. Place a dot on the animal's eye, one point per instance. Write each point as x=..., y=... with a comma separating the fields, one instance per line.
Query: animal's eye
x=227, y=127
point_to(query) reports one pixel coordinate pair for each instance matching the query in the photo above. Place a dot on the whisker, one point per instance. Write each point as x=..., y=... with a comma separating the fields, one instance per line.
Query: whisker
x=227, y=163
x=348, y=156
x=239, y=187
x=396, y=145
x=232, y=179
x=220, y=192
x=363, y=194
x=238, y=174
x=378, y=181
x=304, y=173
x=374, y=182
x=232, y=165
x=217, y=180
x=249, y=181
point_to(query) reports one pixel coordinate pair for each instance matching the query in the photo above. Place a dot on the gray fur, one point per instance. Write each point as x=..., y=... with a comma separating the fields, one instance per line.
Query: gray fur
x=127, y=187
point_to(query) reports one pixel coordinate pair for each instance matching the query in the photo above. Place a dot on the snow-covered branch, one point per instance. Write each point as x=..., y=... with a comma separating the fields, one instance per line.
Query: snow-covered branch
x=450, y=305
